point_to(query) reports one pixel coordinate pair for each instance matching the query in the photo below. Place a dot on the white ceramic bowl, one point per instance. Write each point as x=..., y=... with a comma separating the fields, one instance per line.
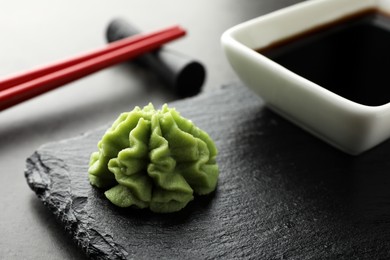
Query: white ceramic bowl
x=347, y=125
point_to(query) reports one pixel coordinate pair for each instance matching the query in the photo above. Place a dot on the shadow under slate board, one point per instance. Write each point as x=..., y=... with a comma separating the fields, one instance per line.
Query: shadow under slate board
x=282, y=193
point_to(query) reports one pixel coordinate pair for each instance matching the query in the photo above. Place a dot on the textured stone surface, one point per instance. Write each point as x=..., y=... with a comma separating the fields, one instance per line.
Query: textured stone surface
x=282, y=194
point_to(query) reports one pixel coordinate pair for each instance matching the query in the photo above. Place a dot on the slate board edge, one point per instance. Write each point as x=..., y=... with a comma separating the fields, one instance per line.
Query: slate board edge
x=40, y=184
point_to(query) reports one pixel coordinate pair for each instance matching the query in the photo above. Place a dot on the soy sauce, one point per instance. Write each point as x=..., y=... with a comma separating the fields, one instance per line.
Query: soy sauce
x=350, y=57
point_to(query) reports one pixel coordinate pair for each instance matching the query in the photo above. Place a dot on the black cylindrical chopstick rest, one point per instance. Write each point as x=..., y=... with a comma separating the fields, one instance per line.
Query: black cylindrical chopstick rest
x=181, y=73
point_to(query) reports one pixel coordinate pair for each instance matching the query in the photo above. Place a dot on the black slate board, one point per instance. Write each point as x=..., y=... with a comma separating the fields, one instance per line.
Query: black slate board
x=282, y=194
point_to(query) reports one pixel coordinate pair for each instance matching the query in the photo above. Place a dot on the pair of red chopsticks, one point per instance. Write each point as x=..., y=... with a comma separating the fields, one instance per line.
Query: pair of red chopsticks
x=19, y=88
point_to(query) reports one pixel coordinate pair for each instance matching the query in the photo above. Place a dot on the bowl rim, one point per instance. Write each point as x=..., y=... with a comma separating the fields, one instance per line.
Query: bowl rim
x=230, y=38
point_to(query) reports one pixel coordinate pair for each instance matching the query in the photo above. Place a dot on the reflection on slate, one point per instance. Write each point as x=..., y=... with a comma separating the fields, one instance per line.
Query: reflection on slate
x=282, y=194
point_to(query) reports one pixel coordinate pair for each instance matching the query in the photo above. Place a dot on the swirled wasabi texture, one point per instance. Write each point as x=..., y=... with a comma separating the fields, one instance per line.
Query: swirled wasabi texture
x=154, y=159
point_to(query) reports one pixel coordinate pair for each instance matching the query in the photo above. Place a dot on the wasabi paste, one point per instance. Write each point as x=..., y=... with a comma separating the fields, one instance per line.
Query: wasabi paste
x=154, y=159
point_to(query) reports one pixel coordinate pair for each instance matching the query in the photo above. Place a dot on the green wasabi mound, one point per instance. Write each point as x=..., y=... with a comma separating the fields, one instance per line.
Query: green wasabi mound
x=154, y=159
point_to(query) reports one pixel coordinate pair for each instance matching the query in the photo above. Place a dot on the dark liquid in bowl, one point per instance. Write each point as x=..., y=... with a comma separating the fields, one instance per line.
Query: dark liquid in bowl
x=350, y=57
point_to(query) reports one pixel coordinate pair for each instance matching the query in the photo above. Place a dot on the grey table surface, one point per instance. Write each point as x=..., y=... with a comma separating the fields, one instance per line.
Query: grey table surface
x=42, y=31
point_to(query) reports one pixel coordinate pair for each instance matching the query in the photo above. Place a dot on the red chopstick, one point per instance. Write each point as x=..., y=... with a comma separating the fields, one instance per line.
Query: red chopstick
x=21, y=87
